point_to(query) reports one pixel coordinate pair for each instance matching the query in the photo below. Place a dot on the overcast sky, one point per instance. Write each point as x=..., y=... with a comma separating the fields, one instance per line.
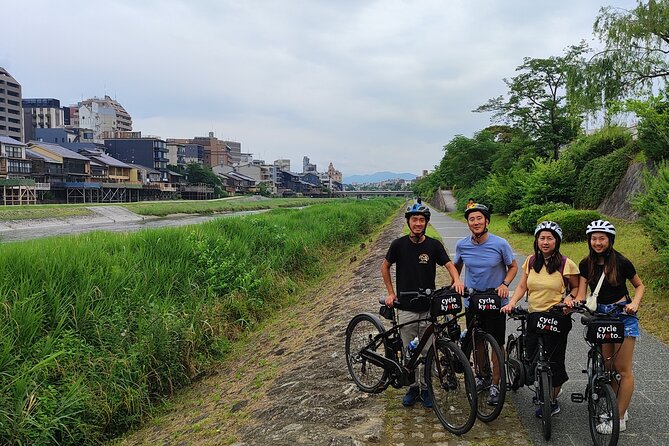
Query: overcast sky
x=366, y=85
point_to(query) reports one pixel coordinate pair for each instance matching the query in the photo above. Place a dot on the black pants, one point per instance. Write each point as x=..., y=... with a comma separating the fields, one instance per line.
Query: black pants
x=556, y=348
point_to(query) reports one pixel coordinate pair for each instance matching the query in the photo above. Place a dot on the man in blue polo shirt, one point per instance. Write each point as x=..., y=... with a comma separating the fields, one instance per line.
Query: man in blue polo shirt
x=490, y=265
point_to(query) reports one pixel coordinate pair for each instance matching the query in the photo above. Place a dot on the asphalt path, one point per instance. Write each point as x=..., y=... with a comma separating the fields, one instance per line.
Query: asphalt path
x=648, y=422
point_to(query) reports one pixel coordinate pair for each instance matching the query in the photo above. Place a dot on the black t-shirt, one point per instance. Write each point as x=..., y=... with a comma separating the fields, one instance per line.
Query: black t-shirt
x=415, y=265
x=609, y=294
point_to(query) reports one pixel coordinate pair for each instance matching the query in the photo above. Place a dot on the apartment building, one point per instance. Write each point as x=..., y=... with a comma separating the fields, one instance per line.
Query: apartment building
x=103, y=115
x=13, y=161
x=149, y=152
x=11, y=115
x=216, y=153
x=42, y=113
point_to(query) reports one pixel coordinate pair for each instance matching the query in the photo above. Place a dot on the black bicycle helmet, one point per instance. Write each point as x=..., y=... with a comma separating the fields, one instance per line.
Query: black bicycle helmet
x=549, y=226
x=417, y=209
x=478, y=208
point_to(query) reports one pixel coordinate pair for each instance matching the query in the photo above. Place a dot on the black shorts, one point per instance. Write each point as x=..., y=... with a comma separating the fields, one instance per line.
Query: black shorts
x=492, y=323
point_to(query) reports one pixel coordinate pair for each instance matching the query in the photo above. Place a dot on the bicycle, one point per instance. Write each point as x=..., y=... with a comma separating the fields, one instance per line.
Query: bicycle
x=376, y=358
x=485, y=354
x=519, y=366
x=600, y=328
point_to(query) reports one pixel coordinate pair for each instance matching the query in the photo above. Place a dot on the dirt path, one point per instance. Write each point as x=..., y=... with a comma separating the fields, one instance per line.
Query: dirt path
x=291, y=386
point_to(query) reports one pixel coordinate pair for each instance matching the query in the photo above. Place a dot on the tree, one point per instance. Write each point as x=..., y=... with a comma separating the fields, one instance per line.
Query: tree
x=636, y=45
x=537, y=103
x=196, y=174
x=467, y=160
x=653, y=127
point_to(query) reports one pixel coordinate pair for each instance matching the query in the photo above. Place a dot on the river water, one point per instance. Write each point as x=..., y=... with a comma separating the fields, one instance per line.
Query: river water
x=29, y=233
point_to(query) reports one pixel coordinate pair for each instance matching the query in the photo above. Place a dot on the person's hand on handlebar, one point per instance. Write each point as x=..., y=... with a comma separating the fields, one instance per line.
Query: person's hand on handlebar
x=632, y=307
x=507, y=308
x=390, y=300
x=458, y=286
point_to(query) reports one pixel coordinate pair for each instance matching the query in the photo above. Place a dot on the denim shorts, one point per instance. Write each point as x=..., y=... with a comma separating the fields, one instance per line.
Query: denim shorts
x=631, y=322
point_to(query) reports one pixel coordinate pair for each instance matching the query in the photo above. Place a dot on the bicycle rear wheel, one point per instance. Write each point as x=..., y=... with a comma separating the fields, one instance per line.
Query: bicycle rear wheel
x=484, y=356
x=515, y=371
x=545, y=394
x=360, y=335
x=450, y=381
x=603, y=415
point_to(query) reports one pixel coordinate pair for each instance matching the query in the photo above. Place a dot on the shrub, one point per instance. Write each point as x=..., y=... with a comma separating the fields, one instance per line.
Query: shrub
x=653, y=207
x=549, y=180
x=525, y=219
x=596, y=145
x=504, y=192
x=601, y=176
x=573, y=222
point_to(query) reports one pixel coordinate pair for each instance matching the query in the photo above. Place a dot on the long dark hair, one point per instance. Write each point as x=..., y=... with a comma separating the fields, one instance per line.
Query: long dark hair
x=610, y=263
x=554, y=262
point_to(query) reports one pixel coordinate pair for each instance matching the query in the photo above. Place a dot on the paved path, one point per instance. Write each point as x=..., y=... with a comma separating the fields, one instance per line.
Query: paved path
x=649, y=411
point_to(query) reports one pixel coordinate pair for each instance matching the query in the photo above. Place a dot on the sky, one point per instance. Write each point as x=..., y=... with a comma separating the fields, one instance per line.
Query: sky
x=367, y=85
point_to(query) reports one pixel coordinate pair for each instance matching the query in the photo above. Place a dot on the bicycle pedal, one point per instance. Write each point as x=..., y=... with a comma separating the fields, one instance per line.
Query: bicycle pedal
x=577, y=398
x=584, y=371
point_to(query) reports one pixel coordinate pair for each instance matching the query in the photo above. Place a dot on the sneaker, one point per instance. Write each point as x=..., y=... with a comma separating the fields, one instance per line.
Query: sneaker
x=606, y=427
x=534, y=398
x=626, y=416
x=480, y=384
x=411, y=396
x=555, y=409
x=493, y=398
x=426, y=398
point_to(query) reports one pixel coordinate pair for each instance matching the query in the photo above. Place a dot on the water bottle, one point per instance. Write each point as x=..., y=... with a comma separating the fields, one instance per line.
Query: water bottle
x=463, y=335
x=412, y=347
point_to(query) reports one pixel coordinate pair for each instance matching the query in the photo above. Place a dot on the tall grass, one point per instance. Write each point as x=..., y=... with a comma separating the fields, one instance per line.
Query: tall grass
x=95, y=329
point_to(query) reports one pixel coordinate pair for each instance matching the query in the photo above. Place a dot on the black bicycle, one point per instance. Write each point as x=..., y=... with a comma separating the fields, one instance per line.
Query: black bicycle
x=522, y=370
x=376, y=358
x=486, y=356
x=601, y=328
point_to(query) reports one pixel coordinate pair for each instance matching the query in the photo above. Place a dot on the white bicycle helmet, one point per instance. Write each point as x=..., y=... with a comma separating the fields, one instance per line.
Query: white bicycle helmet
x=549, y=226
x=600, y=226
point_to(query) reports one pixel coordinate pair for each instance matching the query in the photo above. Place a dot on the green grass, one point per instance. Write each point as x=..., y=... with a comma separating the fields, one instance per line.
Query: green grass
x=633, y=242
x=163, y=208
x=42, y=211
x=97, y=329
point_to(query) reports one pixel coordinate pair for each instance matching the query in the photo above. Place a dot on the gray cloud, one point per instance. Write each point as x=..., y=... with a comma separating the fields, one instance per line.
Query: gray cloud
x=367, y=85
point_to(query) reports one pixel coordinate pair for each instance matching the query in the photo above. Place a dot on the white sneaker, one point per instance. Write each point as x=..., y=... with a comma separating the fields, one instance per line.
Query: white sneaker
x=626, y=416
x=606, y=427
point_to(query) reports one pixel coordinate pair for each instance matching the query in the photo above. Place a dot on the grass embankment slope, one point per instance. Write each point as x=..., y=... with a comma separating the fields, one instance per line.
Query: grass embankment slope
x=154, y=208
x=633, y=243
x=96, y=329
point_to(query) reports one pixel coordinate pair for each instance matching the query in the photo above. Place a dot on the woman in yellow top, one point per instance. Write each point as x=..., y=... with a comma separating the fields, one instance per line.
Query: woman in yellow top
x=544, y=276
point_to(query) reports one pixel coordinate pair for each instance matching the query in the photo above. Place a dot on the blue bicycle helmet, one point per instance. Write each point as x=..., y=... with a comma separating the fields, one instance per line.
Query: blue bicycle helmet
x=417, y=209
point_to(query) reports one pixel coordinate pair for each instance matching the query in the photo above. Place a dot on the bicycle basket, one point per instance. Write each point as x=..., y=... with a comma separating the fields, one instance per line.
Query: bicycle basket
x=445, y=301
x=485, y=303
x=546, y=323
x=605, y=331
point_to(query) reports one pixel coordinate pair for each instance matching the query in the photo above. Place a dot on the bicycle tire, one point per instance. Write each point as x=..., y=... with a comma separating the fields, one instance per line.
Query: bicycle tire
x=515, y=371
x=451, y=384
x=545, y=393
x=360, y=332
x=599, y=409
x=488, y=351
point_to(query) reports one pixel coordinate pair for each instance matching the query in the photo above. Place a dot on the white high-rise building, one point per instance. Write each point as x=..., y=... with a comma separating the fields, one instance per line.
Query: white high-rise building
x=11, y=111
x=105, y=117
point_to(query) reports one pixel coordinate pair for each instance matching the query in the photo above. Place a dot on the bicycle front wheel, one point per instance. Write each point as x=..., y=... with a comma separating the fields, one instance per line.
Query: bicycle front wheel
x=450, y=381
x=360, y=335
x=545, y=394
x=603, y=414
x=490, y=376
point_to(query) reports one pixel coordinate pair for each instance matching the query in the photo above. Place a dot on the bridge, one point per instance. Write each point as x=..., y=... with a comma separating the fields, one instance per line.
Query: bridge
x=373, y=193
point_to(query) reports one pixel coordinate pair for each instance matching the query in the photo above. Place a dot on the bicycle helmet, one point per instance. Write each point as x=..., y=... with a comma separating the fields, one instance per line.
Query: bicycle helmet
x=478, y=208
x=417, y=209
x=601, y=226
x=549, y=226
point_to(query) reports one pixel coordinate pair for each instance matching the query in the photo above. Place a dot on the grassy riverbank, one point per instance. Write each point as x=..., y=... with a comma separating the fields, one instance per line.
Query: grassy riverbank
x=155, y=208
x=95, y=329
x=633, y=243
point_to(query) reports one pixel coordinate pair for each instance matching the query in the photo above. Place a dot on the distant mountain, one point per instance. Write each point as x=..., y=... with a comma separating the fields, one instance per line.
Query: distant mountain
x=378, y=177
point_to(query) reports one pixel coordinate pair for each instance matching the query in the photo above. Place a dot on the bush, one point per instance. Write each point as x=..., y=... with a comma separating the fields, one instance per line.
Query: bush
x=504, y=192
x=573, y=222
x=653, y=207
x=525, y=219
x=598, y=144
x=601, y=176
x=549, y=181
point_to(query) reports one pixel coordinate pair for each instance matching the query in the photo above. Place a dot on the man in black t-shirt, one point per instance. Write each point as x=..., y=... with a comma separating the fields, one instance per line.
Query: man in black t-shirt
x=416, y=257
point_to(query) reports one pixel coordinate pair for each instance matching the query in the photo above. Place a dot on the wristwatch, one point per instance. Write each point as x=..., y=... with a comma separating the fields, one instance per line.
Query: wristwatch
x=504, y=282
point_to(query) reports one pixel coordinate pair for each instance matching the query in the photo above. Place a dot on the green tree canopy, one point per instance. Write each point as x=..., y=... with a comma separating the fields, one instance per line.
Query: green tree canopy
x=536, y=102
